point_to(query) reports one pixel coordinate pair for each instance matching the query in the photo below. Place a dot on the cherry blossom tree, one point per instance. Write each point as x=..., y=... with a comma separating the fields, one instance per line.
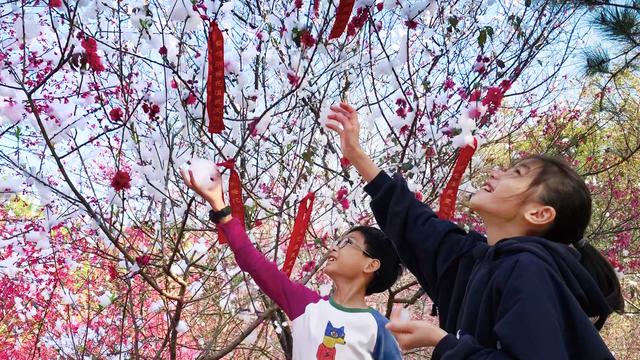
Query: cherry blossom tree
x=104, y=252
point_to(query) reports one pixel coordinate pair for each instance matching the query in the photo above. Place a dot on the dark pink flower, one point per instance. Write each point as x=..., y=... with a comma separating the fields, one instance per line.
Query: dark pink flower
x=143, y=260
x=411, y=24
x=116, y=114
x=293, y=78
x=121, y=180
x=306, y=39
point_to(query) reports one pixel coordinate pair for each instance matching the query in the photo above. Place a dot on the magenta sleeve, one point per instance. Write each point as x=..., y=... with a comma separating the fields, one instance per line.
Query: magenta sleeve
x=292, y=297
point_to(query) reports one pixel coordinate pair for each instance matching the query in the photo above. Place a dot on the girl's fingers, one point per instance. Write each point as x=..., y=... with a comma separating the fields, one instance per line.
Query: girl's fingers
x=347, y=107
x=399, y=326
x=339, y=118
x=340, y=110
x=396, y=312
x=352, y=115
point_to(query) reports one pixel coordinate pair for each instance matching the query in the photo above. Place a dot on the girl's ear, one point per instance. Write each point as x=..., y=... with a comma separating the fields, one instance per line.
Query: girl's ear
x=540, y=215
x=372, y=266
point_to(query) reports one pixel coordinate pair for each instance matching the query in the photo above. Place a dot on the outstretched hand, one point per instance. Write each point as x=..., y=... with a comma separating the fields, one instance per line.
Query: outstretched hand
x=412, y=334
x=344, y=121
x=211, y=191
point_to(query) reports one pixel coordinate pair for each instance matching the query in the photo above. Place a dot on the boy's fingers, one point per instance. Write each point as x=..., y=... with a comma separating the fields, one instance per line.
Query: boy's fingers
x=216, y=173
x=192, y=180
x=185, y=178
x=335, y=126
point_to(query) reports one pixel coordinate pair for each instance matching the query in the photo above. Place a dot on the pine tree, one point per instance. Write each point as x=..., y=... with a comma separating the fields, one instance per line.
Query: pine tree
x=618, y=23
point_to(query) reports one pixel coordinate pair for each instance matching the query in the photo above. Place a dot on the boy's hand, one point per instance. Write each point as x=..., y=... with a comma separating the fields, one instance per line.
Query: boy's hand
x=345, y=123
x=211, y=191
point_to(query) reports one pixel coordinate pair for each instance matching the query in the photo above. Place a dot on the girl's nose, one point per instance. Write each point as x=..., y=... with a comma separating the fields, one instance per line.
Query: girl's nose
x=496, y=172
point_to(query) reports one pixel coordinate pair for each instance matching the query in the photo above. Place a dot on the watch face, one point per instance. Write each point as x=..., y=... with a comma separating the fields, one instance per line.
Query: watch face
x=215, y=216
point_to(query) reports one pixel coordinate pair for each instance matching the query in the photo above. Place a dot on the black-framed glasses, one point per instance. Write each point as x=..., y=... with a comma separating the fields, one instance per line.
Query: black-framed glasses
x=342, y=242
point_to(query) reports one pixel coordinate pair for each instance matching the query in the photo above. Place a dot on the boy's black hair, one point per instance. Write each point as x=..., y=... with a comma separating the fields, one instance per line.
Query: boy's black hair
x=379, y=247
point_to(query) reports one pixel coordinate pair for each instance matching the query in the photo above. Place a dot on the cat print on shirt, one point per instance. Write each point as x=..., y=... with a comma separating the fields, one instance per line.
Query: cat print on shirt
x=332, y=336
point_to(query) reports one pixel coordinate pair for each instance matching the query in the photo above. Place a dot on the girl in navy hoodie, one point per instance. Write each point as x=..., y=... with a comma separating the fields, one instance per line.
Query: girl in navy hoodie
x=532, y=288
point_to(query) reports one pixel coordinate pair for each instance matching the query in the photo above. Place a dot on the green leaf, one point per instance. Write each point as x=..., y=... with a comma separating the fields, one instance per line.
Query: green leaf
x=453, y=21
x=308, y=154
x=407, y=166
x=295, y=36
x=426, y=84
x=489, y=30
x=515, y=21
x=18, y=132
x=482, y=38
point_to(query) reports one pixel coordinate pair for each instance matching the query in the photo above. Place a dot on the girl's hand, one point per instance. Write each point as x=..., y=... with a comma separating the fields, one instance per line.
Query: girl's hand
x=412, y=334
x=345, y=123
x=210, y=191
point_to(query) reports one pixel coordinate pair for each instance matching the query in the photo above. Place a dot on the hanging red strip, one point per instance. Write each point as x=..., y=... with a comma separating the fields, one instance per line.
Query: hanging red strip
x=342, y=18
x=215, y=80
x=235, y=196
x=297, y=235
x=450, y=192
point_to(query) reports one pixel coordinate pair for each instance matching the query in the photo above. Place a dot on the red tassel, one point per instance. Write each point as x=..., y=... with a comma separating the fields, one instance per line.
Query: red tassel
x=297, y=235
x=235, y=197
x=450, y=192
x=342, y=18
x=316, y=9
x=215, y=79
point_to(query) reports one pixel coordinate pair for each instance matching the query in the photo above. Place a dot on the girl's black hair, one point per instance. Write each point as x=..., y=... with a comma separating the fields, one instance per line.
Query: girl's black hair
x=379, y=247
x=562, y=188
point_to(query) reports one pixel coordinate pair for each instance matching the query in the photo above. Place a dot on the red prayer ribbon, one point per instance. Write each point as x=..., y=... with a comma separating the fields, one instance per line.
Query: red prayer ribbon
x=215, y=79
x=450, y=192
x=235, y=197
x=297, y=235
x=343, y=13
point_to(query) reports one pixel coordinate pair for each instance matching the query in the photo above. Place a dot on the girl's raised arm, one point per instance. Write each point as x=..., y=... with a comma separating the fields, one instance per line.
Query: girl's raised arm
x=431, y=248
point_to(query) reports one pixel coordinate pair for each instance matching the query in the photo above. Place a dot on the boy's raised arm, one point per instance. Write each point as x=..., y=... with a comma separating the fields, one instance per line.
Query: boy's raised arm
x=292, y=297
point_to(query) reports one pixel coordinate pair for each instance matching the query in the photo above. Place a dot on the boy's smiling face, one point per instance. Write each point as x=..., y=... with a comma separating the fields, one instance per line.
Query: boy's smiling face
x=347, y=257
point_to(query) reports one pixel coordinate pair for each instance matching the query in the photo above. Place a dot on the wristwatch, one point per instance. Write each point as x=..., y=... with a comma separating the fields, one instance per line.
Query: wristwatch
x=216, y=216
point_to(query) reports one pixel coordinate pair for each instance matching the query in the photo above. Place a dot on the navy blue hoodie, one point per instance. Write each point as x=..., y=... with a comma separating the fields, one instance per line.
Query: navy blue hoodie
x=523, y=298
